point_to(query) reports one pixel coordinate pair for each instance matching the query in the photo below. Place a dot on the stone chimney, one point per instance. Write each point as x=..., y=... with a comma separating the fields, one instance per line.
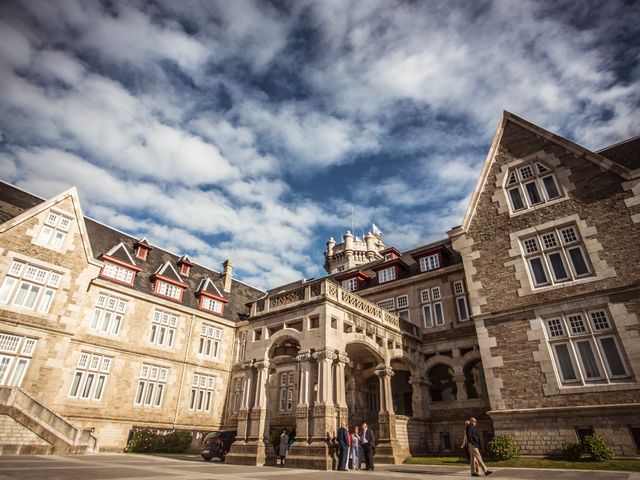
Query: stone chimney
x=227, y=275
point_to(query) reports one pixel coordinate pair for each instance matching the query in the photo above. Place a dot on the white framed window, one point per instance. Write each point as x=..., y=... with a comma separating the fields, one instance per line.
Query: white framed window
x=241, y=345
x=108, y=314
x=427, y=316
x=210, y=304
x=431, y=262
x=30, y=287
x=55, y=229
x=555, y=256
x=238, y=390
x=209, y=345
x=351, y=284
x=163, y=328
x=151, y=385
x=425, y=296
x=169, y=290
x=387, y=274
x=585, y=348
x=285, y=391
x=403, y=314
x=90, y=378
x=202, y=388
x=117, y=272
x=432, y=313
x=388, y=256
x=388, y=304
x=530, y=185
x=458, y=287
x=402, y=301
x=435, y=293
x=15, y=354
x=462, y=306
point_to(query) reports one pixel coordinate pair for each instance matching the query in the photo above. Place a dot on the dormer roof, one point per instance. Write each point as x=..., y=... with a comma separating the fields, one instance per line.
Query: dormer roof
x=208, y=288
x=143, y=243
x=168, y=273
x=185, y=260
x=120, y=255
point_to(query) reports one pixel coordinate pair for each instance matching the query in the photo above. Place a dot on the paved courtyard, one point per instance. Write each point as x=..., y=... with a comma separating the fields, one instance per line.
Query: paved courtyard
x=130, y=467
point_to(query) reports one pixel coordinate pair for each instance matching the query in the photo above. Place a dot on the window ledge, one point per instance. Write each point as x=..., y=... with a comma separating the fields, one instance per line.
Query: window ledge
x=537, y=207
x=630, y=384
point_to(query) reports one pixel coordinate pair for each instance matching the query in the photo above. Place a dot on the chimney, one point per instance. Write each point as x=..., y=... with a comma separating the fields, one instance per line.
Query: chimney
x=227, y=274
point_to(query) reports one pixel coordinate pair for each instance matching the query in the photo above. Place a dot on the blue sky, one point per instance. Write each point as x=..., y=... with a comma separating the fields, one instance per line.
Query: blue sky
x=248, y=130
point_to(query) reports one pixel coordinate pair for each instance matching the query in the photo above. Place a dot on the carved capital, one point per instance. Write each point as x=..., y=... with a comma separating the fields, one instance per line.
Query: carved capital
x=343, y=358
x=416, y=380
x=261, y=364
x=243, y=415
x=247, y=365
x=385, y=372
x=304, y=357
x=324, y=354
x=302, y=412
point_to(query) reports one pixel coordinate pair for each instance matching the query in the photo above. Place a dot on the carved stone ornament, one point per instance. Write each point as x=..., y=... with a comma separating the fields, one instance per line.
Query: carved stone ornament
x=343, y=358
x=325, y=354
x=303, y=357
x=302, y=412
x=385, y=372
x=243, y=415
x=247, y=365
x=262, y=364
x=414, y=380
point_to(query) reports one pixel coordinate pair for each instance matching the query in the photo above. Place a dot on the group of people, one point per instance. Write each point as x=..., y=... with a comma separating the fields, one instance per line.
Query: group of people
x=354, y=445
x=471, y=444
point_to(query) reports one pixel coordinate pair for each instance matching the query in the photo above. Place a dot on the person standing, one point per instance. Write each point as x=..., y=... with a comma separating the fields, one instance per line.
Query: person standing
x=465, y=445
x=356, y=450
x=368, y=446
x=473, y=441
x=284, y=445
x=343, y=447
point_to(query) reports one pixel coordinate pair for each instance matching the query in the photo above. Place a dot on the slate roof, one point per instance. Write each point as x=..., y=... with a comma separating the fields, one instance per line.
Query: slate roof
x=14, y=201
x=626, y=153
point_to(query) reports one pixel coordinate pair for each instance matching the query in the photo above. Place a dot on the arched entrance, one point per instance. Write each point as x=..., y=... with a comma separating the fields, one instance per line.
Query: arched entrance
x=401, y=388
x=362, y=384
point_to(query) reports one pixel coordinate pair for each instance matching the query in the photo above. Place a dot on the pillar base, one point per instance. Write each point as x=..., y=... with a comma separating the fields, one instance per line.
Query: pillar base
x=316, y=455
x=252, y=452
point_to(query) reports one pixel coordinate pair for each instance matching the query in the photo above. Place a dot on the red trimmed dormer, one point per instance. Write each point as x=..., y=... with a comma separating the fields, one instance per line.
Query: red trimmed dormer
x=167, y=283
x=390, y=253
x=353, y=281
x=431, y=257
x=391, y=269
x=142, y=249
x=118, y=265
x=209, y=297
x=184, y=264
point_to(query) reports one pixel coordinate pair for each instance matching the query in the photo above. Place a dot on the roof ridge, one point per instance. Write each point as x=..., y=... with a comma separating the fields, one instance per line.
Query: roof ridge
x=622, y=142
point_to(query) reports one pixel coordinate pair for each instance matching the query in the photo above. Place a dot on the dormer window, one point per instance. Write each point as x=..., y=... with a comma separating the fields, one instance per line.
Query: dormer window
x=530, y=185
x=118, y=265
x=212, y=305
x=431, y=262
x=185, y=266
x=142, y=249
x=167, y=283
x=351, y=284
x=387, y=257
x=118, y=272
x=168, y=290
x=387, y=274
x=210, y=298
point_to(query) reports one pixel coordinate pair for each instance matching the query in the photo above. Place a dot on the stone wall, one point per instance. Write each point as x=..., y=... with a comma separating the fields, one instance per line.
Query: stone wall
x=16, y=438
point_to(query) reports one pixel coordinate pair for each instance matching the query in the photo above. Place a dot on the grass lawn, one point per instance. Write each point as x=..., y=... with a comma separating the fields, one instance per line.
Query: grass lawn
x=528, y=462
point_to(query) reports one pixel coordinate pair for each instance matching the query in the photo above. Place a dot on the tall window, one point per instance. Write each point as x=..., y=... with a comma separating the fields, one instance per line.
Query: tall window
x=432, y=314
x=90, y=377
x=117, y=272
x=585, y=348
x=430, y=263
x=54, y=230
x=555, y=256
x=15, y=354
x=285, y=391
x=387, y=274
x=108, y=314
x=29, y=287
x=241, y=345
x=531, y=184
x=350, y=284
x=461, y=300
x=209, y=341
x=238, y=390
x=163, y=328
x=151, y=386
x=201, y=392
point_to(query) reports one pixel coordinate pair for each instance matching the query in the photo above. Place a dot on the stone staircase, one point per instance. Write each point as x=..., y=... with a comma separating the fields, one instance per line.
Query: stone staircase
x=28, y=427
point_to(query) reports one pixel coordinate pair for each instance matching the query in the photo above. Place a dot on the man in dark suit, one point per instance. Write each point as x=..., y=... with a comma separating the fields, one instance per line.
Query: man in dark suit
x=368, y=446
x=343, y=446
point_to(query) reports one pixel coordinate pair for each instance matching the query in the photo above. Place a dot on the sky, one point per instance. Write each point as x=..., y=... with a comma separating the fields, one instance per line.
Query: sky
x=255, y=130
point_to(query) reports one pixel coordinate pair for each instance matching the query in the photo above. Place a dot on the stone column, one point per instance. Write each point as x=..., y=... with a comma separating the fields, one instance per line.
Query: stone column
x=388, y=450
x=461, y=393
x=258, y=416
x=341, y=394
x=243, y=412
x=305, y=389
x=420, y=397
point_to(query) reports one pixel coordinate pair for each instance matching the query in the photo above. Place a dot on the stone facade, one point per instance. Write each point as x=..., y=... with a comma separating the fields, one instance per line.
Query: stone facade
x=526, y=317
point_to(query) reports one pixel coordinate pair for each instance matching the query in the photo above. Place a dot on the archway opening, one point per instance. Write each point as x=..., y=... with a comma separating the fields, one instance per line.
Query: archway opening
x=474, y=379
x=401, y=389
x=442, y=387
x=362, y=385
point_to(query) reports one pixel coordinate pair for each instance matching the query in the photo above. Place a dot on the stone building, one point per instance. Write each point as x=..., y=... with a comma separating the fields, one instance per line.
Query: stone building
x=525, y=316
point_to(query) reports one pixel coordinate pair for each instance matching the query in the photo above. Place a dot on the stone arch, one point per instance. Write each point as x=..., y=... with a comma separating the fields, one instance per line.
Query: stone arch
x=281, y=337
x=474, y=383
x=442, y=387
x=450, y=362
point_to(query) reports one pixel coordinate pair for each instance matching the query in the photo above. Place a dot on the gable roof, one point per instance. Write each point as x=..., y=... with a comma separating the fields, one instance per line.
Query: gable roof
x=626, y=153
x=102, y=238
x=207, y=285
x=119, y=252
x=596, y=158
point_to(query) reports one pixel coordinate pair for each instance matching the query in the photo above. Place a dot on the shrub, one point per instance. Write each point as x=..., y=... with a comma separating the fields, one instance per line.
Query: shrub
x=572, y=451
x=174, y=442
x=503, y=447
x=146, y=441
x=143, y=441
x=595, y=446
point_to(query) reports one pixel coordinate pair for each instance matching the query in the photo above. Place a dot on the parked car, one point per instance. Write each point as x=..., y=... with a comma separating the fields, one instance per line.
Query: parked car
x=217, y=444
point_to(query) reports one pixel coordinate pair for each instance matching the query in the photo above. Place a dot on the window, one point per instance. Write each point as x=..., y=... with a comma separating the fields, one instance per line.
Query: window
x=117, y=272
x=210, y=304
x=151, y=386
x=585, y=348
x=108, y=314
x=29, y=287
x=285, y=391
x=432, y=313
x=209, y=341
x=424, y=296
x=387, y=274
x=530, y=185
x=555, y=256
x=201, y=392
x=445, y=441
x=257, y=334
x=458, y=287
x=388, y=256
x=241, y=345
x=168, y=290
x=54, y=230
x=90, y=377
x=238, y=390
x=435, y=293
x=388, y=304
x=430, y=263
x=350, y=284
x=402, y=301
x=461, y=301
x=403, y=314
x=163, y=328
x=15, y=354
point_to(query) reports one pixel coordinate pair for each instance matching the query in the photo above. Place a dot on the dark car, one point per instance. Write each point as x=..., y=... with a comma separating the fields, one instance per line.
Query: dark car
x=217, y=444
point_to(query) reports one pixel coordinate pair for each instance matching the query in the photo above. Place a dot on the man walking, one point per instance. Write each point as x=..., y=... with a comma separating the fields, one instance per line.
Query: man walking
x=343, y=446
x=368, y=446
x=473, y=441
